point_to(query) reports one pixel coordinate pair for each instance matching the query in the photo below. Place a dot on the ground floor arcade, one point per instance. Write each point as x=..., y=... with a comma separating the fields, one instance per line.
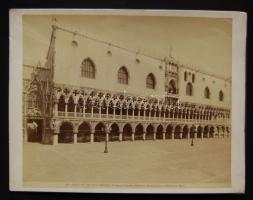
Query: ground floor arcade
x=99, y=131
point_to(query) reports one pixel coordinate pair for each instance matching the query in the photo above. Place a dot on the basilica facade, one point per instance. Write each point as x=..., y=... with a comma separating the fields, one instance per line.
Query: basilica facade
x=92, y=91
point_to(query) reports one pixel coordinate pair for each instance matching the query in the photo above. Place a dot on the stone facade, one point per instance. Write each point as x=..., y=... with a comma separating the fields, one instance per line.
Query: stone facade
x=89, y=91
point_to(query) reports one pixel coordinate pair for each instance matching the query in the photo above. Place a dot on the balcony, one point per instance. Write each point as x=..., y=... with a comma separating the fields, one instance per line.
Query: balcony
x=140, y=118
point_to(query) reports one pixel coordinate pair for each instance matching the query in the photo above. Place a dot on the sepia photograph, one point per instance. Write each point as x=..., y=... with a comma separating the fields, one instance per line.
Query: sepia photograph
x=127, y=101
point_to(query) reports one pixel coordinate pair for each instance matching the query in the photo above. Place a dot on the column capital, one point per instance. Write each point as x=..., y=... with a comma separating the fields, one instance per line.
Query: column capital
x=56, y=101
x=92, y=130
x=56, y=132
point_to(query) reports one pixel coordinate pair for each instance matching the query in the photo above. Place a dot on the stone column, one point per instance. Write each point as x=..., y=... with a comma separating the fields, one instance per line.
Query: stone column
x=149, y=115
x=139, y=113
x=56, y=109
x=164, y=136
x=173, y=135
x=144, y=113
x=181, y=135
x=75, y=105
x=127, y=113
x=217, y=131
x=107, y=136
x=55, y=138
x=195, y=135
x=154, y=136
x=133, y=113
x=99, y=111
x=132, y=136
x=202, y=133
x=144, y=135
x=155, y=115
x=159, y=114
x=107, y=111
x=75, y=136
x=188, y=134
x=92, y=135
x=84, y=111
x=120, y=136
x=114, y=112
x=66, y=109
x=164, y=115
x=91, y=110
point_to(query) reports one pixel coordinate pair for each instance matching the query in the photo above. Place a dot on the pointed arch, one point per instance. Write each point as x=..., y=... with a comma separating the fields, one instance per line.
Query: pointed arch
x=127, y=132
x=66, y=134
x=139, y=130
x=150, y=130
x=71, y=104
x=185, y=76
x=185, y=131
x=80, y=105
x=159, y=132
x=114, y=132
x=172, y=87
x=150, y=81
x=35, y=97
x=61, y=103
x=123, y=75
x=100, y=133
x=178, y=130
x=199, y=131
x=83, y=134
x=221, y=96
x=207, y=93
x=189, y=89
x=169, y=132
x=206, y=131
x=192, y=131
x=88, y=68
x=35, y=100
x=193, y=78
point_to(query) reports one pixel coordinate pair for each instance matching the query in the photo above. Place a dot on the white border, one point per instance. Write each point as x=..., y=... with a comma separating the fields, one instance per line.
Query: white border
x=238, y=98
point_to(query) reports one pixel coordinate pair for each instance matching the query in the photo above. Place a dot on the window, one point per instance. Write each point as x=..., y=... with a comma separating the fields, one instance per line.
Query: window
x=34, y=100
x=189, y=89
x=207, y=93
x=172, y=87
x=185, y=76
x=150, y=81
x=123, y=75
x=88, y=68
x=221, y=96
x=61, y=104
x=71, y=104
x=193, y=78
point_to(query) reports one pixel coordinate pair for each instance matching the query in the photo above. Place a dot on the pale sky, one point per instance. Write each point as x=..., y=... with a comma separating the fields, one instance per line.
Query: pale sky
x=203, y=43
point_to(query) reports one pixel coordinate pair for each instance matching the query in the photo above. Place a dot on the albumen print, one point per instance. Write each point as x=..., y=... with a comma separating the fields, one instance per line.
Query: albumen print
x=127, y=101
